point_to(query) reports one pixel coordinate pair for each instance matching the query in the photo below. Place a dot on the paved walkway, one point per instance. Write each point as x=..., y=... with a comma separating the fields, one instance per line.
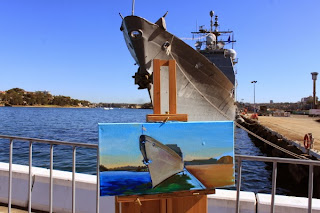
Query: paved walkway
x=294, y=127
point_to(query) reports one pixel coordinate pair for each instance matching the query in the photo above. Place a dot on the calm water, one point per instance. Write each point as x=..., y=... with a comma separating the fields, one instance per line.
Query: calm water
x=81, y=125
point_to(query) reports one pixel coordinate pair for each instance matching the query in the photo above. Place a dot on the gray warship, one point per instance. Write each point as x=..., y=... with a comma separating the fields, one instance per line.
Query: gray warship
x=205, y=75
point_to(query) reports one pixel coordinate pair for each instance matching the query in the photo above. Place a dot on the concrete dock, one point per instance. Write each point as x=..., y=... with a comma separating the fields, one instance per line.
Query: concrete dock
x=283, y=137
x=294, y=127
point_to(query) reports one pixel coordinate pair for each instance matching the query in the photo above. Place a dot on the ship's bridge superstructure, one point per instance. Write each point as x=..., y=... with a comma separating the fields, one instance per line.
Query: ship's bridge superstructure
x=213, y=49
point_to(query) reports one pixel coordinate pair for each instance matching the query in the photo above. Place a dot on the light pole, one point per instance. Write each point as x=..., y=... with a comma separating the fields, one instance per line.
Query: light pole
x=254, y=96
x=314, y=78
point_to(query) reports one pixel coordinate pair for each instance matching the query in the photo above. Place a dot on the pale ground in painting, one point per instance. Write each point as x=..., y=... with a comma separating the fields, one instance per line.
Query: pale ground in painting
x=4, y=209
x=213, y=175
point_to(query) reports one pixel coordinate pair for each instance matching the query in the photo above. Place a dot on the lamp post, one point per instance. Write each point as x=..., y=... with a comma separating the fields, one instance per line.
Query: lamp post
x=254, y=95
x=314, y=78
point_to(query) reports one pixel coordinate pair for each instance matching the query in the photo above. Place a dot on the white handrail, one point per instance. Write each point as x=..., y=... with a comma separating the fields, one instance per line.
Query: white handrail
x=51, y=142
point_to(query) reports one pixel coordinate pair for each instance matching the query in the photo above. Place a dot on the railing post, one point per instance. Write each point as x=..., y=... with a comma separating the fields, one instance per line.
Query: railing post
x=51, y=179
x=30, y=177
x=310, y=190
x=274, y=185
x=10, y=176
x=98, y=182
x=73, y=180
x=238, y=184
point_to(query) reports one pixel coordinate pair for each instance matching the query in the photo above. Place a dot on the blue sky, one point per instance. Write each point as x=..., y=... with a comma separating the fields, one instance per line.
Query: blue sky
x=75, y=47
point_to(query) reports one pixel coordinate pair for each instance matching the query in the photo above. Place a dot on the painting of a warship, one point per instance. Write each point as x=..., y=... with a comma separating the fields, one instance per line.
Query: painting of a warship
x=205, y=75
x=153, y=158
x=163, y=161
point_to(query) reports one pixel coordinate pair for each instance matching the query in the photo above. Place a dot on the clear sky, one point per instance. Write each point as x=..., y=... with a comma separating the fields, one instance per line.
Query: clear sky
x=75, y=47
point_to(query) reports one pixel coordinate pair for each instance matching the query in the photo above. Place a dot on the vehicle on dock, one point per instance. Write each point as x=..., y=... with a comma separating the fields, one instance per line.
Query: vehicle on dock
x=263, y=111
x=314, y=112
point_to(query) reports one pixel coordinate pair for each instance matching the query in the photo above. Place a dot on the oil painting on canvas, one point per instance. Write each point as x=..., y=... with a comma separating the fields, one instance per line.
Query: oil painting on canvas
x=151, y=158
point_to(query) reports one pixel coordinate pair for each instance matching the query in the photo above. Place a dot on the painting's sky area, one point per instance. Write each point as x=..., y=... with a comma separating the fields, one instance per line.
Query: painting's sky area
x=119, y=143
x=75, y=47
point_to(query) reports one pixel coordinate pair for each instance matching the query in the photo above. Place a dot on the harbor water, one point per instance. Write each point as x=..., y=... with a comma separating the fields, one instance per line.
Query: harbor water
x=81, y=125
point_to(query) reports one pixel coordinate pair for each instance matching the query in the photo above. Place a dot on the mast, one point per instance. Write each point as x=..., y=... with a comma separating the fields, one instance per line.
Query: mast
x=132, y=7
x=232, y=39
x=216, y=25
x=211, y=22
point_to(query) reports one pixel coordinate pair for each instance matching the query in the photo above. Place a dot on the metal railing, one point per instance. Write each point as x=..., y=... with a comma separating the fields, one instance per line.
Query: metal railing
x=74, y=145
x=275, y=161
x=239, y=158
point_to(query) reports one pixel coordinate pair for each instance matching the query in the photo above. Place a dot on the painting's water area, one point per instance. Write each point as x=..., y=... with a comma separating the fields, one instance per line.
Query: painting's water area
x=81, y=125
x=129, y=183
x=110, y=184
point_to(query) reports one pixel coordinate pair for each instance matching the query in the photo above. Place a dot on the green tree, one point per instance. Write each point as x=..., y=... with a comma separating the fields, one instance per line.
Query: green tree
x=43, y=98
x=16, y=90
x=30, y=99
x=61, y=100
x=15, y=96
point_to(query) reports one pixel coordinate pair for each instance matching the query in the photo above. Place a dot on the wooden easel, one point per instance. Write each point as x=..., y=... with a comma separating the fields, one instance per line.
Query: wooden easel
x=172, y=114
x=177, y=202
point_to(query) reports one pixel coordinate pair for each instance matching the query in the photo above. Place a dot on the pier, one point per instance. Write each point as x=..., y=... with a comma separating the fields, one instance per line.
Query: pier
x=294, y=127
x=287, y=132
x=284, y=137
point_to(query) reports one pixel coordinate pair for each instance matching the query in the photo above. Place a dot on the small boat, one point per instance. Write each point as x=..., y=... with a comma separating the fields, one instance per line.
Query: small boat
x=163, y=161
x=107, y=108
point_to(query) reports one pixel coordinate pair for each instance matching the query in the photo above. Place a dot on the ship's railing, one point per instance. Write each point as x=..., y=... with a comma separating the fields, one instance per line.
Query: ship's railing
x=275, y=161
x=74, y=145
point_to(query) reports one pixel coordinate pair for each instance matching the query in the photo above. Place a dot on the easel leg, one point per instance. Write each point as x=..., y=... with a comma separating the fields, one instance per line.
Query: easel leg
x=163, y=206
x=116, y=204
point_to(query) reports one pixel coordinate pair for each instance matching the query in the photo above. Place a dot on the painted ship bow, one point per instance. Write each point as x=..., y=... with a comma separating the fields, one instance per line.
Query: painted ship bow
x=204, y=92
x=162, y=161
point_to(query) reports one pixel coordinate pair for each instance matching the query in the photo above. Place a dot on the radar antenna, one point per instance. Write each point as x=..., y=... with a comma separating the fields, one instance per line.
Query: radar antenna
x=216, y=24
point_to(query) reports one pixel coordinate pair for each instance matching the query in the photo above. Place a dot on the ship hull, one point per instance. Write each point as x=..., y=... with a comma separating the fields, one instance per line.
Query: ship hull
x=162, y=161
x=203, y=91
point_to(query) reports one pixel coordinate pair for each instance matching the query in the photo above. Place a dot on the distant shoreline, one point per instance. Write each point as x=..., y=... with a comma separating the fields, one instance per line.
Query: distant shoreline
x=57, y=106
x=46, y=106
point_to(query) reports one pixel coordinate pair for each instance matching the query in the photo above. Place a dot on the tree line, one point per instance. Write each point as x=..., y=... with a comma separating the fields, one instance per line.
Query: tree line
x=18, y=96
